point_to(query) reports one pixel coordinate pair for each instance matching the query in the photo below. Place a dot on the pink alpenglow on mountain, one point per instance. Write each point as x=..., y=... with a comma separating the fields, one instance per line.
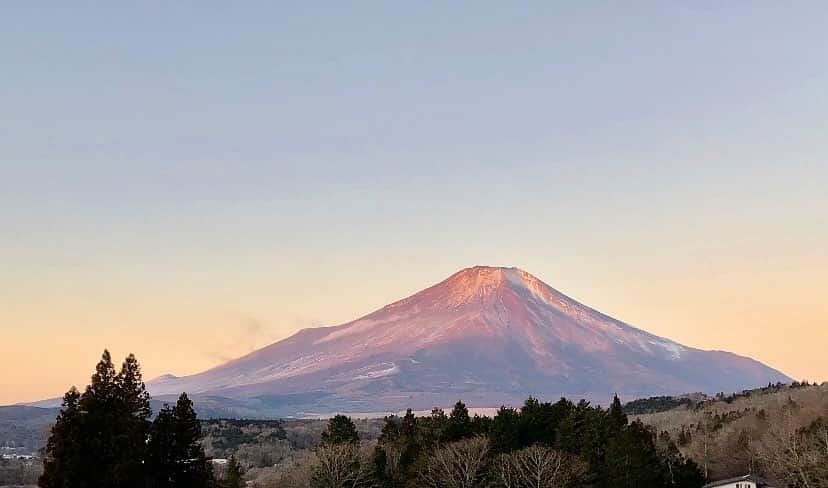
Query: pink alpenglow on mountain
x=487, y=335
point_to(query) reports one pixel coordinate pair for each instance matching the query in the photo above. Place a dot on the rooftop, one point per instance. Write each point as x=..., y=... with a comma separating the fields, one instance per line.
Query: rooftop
x=760, y=482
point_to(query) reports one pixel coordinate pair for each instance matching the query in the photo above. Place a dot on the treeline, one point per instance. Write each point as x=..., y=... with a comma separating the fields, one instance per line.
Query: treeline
x=655, y=404
x=560, y=444
x=228, y=435
x=104, y=438
x=107, y=437
x=771, y=388
x=254, y=443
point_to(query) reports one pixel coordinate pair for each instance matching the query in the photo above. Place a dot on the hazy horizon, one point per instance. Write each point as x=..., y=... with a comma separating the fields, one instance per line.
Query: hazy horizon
x=190, y=184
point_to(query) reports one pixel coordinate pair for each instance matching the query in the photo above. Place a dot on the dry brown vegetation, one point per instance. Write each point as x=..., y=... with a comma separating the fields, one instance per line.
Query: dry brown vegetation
x=780, y=432
x=460, y=464
x=538, y=467
x=270, y=449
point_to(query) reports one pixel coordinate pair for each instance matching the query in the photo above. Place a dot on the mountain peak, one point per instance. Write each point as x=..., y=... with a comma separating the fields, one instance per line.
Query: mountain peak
x=483, y=269
x=479, y=276
x=479, y=281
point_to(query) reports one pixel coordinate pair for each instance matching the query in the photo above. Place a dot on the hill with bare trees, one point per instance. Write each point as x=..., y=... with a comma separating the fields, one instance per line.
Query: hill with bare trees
x=780, y=431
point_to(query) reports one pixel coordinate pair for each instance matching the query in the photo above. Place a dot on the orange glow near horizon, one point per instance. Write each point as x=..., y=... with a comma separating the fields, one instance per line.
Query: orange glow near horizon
x=56, y=344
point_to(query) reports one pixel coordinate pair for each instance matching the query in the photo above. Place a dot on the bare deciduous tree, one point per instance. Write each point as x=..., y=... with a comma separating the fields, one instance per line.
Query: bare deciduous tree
x=538, y=467
x=341, y=466
x=725, y=437
x=460, y=464
x=795, y=455
x=505, y=472
x=817, y=454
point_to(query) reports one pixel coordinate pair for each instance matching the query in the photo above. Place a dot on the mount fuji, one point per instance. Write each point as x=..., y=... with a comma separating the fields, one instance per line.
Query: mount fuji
x=486, y=335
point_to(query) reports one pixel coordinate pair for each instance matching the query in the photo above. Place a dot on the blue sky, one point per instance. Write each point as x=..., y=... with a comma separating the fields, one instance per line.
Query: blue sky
x=295, y=164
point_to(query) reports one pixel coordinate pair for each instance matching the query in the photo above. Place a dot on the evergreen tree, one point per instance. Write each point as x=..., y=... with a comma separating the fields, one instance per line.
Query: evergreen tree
x=432, y=429
x=63, y=462
x=390, y=432
x=687, y=474
x=99, y=438
x=480, y=425
x=133, y=392
x=539, y=421
x=616, y=413
x=586, y=432
x=632, y=460
x=133, y=404
x=104, y=427
x=103, y=438
x=341, y=430
x=408, y=426
x=531, y=422
x=679, y=471
x=459, y=423
x=176, y=458
x=195, y=468
x=104, y=383
x=504, y=435
x=397, y=450
x=162, y=455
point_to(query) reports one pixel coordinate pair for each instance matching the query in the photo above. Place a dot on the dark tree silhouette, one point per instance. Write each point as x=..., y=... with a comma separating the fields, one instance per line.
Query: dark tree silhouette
x=103, y=438
x=459, y=424
x=616, y=412
x=176, y=459
x=131, y=425
x=504, y=435
x=341, y=430
x=62, y=465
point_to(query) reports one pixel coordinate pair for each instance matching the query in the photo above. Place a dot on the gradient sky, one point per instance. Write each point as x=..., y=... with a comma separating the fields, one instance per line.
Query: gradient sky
x=188, y=182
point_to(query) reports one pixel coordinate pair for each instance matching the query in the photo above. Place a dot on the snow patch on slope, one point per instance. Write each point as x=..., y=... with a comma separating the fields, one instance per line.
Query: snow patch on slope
x=379, y=373
x=523, y=280
x=673, y=349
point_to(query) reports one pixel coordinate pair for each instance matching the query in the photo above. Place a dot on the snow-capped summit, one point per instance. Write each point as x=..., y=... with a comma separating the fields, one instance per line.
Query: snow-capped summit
x=488, y=335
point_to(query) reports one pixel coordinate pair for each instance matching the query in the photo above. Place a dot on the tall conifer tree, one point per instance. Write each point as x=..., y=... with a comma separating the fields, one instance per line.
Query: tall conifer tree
x=63, y=459
x=133, y=404
x=102, y=438
x=459, y=423
x=176, y=459
x=341, y=430
x=616, y=413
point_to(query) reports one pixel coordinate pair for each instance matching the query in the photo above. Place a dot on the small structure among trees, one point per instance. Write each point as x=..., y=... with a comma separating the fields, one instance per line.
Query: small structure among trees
x=747, y=481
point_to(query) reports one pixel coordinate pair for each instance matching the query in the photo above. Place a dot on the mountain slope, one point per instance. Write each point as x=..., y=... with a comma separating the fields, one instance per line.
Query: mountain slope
x=25, y=428
x=487, y=335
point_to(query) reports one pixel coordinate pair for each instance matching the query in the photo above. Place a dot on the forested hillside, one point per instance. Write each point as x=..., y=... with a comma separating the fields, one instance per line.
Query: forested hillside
x=562, y=443
x=780, y=431
x=25, y=428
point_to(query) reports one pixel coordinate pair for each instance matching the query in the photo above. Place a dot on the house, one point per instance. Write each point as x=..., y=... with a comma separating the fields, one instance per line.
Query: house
x=747, y=481
x=19, y=457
